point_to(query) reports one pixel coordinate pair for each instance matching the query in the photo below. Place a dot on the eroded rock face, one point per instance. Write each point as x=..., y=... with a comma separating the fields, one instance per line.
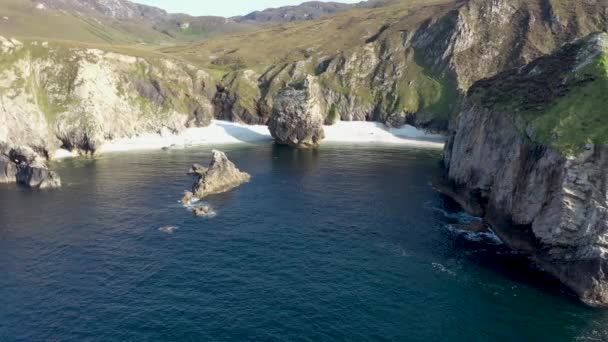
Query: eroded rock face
x=297, y=116
x=8, y=170
x=24, y=166
x=545, y=201
x=221, y=176
x=91, y=96
x=539, y=202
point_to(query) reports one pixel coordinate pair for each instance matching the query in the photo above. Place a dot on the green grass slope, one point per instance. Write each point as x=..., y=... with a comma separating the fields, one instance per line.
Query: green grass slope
x=563, y=97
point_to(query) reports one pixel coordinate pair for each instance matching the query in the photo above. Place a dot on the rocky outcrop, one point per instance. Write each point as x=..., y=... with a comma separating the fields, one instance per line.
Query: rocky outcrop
x=8, y=170
x=237, y=98
x=517, y=158
x=24, y=166
x=52, y=95
x=221, y=176
x=297, y=117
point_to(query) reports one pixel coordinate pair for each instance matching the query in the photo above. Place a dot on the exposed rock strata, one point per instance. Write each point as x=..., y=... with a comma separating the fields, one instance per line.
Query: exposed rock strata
x=548, y=202
x=416, y=69
x=52, y=96
x=297, y=118
x=221, y=176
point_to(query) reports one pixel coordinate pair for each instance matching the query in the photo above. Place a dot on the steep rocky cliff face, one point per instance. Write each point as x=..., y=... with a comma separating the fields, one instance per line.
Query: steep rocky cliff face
x=53, y=95
x=529, y=152
x=416, y=68
x=409, y=63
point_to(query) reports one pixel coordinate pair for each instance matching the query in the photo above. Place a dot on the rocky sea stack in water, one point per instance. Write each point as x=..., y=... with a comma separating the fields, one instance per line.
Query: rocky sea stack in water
x=221, y=176
x=529, y=153
x=24, y=166
x=297, y=117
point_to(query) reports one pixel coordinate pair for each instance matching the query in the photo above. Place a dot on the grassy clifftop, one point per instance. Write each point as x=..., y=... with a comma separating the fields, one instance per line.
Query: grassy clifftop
x=563, y=96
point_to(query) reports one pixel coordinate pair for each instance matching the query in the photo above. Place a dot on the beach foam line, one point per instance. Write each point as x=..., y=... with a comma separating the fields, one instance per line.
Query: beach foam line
x=225, y=132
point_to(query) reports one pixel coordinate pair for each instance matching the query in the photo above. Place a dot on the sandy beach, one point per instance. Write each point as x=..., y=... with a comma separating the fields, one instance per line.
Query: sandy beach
x=224, y=132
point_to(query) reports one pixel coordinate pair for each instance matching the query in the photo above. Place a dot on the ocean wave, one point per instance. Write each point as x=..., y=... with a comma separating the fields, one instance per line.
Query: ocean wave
x=460, y=216
x=168, y=229
x=485, y=237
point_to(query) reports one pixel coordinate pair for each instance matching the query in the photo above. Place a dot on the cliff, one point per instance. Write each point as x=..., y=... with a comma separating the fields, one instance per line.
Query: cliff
x=529, y=153
x=410, y=62
x=407, y=63
x=54, y=94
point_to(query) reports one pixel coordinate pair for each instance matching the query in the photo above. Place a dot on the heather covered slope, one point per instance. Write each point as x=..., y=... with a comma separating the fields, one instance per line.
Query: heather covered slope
x=529, y=152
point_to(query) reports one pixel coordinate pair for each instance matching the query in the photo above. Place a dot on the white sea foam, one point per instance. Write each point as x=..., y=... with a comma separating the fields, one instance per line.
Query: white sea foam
x=168, y=229
x=486, y=237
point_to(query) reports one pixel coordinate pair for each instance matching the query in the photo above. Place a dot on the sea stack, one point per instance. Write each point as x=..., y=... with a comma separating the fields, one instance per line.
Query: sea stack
x=297, y=115
x=221, y=176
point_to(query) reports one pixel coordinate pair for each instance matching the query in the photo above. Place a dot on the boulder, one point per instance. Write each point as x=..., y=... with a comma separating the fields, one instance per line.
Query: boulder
x=221, y=176
x=297, y=116
x=24, y=166
x=188, y=198
x=37, y=177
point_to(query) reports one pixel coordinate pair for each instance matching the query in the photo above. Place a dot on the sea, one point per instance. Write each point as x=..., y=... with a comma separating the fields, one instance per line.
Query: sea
x=343, y=243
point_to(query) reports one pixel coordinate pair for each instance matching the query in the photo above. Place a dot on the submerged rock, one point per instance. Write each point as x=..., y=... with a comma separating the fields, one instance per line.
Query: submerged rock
x=204, y=211
x=221, y=176
x=24, y=166
x=188, y=198
x=297, y=117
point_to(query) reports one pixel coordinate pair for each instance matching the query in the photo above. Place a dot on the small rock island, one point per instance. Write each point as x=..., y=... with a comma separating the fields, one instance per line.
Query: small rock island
x=220, y=176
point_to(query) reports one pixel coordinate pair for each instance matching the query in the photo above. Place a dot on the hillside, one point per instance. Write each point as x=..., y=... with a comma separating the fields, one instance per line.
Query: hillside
x=408, y=62
x=310, y=10
x=126, y=22
x=115, y=22
x=569, y=110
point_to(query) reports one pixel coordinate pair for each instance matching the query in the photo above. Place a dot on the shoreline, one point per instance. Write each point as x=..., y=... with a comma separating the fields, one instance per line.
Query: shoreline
x=225, y=133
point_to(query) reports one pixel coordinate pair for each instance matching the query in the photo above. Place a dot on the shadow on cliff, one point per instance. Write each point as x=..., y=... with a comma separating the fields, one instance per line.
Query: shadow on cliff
x=242, y=133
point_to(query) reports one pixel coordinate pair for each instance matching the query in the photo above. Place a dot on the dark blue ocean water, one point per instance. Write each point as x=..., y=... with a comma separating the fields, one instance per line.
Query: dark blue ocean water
x=341, y=244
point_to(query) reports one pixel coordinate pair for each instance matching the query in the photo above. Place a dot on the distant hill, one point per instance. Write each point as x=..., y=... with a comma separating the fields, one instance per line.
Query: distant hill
x=306, y=11
x=123, y=22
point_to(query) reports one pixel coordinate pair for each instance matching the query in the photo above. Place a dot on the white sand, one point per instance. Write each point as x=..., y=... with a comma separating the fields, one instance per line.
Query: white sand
x=63, y=154
x=224, y=132
x=373, y=132
x=218, y=133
